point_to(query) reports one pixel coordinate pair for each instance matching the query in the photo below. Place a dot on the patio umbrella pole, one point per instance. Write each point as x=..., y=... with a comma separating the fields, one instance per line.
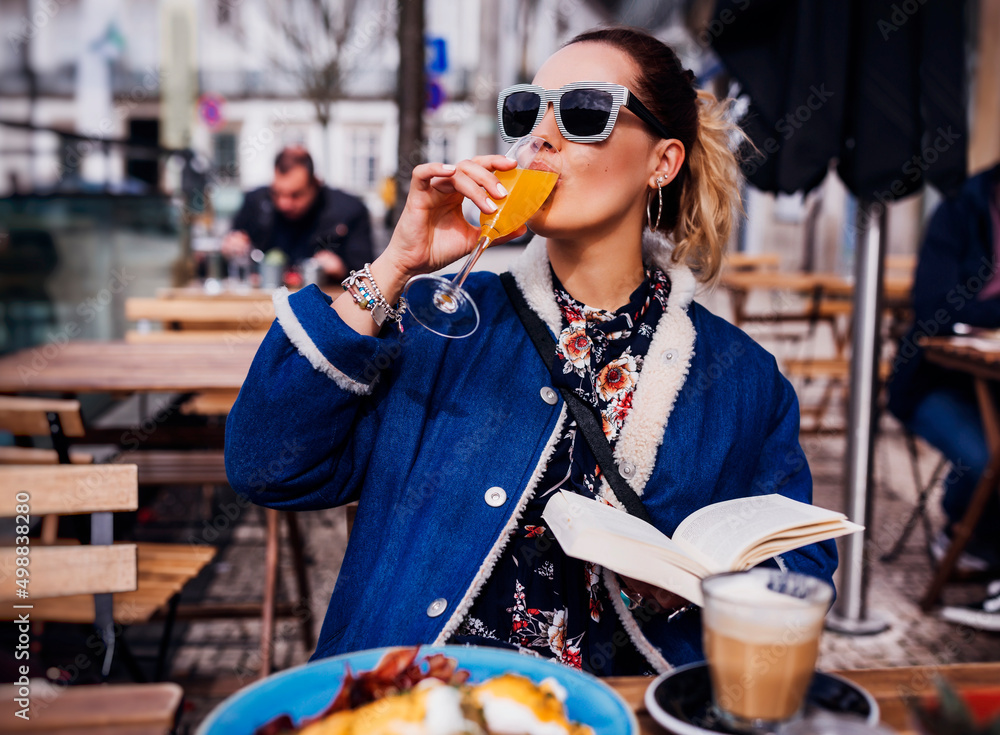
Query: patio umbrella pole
x=850, y=613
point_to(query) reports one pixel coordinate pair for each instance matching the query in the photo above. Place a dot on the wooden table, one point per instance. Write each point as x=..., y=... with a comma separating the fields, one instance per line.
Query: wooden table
x=121, y=367
x=889, y=687
x=199, y=292
x=895, y=288
x=233, y=294
x=980, y=358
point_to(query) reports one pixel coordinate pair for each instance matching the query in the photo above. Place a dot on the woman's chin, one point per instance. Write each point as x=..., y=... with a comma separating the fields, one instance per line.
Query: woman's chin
x=543, y=224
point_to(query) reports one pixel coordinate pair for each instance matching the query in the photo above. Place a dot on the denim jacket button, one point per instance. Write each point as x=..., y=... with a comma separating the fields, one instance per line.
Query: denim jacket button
x=627, y=469
x=496, y=496
x=437, y=607
x=549, y=396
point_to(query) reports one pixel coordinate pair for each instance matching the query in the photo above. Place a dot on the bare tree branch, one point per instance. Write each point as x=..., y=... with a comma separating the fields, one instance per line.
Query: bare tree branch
x=316, y=35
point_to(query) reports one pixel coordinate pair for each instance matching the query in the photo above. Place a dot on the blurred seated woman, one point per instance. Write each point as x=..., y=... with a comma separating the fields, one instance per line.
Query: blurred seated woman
x=453, y=447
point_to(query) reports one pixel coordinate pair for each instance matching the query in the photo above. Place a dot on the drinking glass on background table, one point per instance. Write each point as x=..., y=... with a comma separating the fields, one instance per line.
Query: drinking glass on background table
x=761, y=633
x=442, y=306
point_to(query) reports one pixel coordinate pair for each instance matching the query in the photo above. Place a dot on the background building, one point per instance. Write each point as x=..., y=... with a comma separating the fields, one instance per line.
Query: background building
x=225, y=77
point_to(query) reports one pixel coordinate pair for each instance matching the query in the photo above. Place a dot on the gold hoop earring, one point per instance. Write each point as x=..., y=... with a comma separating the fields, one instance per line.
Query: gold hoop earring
x=659, y=209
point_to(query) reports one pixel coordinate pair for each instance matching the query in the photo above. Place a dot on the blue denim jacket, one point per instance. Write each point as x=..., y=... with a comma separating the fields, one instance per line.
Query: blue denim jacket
x=421, y=429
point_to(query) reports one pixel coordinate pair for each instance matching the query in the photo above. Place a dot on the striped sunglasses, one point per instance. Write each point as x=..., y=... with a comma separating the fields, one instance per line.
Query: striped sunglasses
x=585, y=111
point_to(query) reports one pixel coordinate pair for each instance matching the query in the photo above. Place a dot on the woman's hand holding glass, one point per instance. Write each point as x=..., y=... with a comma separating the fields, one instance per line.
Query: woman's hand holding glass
x=527, y=176
x=432, y=231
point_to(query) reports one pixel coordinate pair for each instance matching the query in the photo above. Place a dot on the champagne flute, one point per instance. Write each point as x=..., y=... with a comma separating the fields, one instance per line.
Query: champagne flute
x=443, y=306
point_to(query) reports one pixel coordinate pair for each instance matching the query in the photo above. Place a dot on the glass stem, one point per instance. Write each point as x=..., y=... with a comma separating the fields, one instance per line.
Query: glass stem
x=460, y=277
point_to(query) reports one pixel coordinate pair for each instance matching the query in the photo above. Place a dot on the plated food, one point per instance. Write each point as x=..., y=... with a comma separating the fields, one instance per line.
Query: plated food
x=406, y=696
x=294, y=698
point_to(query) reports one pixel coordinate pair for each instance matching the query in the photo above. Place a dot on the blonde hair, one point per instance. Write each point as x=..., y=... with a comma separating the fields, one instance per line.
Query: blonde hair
x=711, y=200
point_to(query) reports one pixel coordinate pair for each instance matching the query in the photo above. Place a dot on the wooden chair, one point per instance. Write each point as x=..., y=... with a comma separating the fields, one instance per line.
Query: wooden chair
x=165, y=467
x=30, y=418
x=924, y=488
x=198, y=319
x=752, y=261
x=219, y=319
x=834, y=373
x=27, y=418
x=162, y=569
x=108, y=709
x=94, y=574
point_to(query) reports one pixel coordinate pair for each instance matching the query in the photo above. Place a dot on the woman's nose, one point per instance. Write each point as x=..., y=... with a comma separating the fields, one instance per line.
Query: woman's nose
x=547, y=128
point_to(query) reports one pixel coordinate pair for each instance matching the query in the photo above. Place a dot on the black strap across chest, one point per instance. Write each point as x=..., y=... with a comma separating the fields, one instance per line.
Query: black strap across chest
x=582, y=411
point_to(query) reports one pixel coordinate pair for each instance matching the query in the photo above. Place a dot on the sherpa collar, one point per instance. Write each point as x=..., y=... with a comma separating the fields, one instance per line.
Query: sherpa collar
x=664, y=370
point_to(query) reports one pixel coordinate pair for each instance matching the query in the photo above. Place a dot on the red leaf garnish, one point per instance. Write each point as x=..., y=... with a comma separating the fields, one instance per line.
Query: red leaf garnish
x=398, y=671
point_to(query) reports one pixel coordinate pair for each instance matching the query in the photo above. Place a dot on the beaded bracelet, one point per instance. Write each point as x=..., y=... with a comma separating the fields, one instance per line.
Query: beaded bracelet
x=369, y=296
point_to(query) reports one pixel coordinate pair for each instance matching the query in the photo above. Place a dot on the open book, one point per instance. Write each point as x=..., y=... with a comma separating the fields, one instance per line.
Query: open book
x=723, y=537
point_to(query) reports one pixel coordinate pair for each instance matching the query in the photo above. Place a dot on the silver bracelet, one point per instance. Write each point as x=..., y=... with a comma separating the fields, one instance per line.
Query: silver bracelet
x=370, y=296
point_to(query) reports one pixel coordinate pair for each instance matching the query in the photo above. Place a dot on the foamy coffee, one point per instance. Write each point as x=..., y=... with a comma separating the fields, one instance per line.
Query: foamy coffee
x=761, y=635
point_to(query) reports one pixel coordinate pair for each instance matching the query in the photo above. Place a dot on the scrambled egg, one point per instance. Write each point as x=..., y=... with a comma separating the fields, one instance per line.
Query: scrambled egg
x=514, y=705
x=504, y=705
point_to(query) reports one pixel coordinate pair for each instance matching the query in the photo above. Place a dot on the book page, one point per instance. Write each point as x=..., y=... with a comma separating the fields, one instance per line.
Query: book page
x=590, y=530
x=793, y=539
x=726, y=531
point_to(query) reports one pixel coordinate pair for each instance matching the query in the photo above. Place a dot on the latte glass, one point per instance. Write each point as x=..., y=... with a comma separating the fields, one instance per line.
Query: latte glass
x=761, y=633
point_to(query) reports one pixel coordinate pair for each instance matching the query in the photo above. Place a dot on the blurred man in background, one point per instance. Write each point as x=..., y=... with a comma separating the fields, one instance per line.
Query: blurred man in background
x=300, y=216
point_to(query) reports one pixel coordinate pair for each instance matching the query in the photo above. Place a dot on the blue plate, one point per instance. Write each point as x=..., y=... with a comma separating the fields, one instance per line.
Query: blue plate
x=307, y=690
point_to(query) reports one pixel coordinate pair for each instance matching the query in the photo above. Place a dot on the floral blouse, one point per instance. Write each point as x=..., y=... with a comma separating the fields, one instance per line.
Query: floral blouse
x=537, y=599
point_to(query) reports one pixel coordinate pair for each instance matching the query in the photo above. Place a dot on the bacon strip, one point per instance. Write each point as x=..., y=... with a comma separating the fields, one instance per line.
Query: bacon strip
x=398, y=671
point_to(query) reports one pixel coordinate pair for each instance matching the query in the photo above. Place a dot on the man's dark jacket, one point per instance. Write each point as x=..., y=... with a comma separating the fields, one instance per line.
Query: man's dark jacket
x=336, y=221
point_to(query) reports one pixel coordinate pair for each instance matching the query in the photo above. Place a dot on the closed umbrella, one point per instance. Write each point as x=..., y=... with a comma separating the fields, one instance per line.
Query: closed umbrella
x=877, y=85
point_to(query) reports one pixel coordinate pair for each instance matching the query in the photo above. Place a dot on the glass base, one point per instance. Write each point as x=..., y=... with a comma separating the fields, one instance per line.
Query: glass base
x=756, y=726
x=442, y=308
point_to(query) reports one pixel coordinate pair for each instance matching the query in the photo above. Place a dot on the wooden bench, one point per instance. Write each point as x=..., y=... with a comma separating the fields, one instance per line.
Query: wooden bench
x=37, y=455
x=194, y=320
x=210, y=403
